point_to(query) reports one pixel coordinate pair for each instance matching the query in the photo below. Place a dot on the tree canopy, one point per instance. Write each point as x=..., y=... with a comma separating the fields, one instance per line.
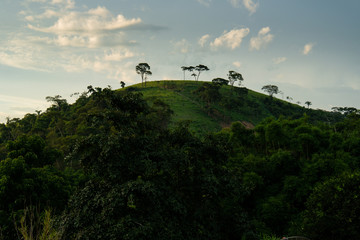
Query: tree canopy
x=144, y=70
x=234, y=76
x=114, y=165
x=270, y=89
x=200, y=68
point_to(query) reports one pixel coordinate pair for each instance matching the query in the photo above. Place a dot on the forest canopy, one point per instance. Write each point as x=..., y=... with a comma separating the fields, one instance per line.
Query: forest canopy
x=114, y=166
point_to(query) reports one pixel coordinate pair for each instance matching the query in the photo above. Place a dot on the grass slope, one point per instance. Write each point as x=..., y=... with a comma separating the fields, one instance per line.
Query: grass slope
x=251, y=107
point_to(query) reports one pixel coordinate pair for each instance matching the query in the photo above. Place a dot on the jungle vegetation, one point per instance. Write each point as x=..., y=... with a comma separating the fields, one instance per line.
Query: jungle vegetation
x=123, y=164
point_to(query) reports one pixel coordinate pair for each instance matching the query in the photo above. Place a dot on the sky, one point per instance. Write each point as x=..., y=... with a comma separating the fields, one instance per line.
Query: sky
x=309, y=49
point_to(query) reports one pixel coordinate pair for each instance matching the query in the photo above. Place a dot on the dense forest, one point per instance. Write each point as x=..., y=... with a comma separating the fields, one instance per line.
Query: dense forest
x=116, y=166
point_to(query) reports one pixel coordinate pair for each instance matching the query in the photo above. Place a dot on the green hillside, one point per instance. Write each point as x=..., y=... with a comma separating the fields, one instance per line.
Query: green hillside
x=237, y=104
x=114, y=165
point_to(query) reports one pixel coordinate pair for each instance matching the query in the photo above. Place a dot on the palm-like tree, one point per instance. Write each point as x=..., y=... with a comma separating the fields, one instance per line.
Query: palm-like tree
x=308, y=103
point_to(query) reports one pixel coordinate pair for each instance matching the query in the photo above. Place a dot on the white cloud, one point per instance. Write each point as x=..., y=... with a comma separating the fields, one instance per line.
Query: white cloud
x=47, y=14
x=263, y=38
x=237, y=64
x=118, y=55
x=94, y=21
x=67, y=3
x=250, y=6
x=95, y=28
x=279, y=60
x=230, y=39
x=308, y=48
x=22, y=53
x=264, y=31
x=181, y=46
x=203, y=40
x=64, y=33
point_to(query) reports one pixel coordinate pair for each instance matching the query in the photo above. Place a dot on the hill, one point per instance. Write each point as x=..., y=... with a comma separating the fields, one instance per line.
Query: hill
x=114, y=165
x=191, y=101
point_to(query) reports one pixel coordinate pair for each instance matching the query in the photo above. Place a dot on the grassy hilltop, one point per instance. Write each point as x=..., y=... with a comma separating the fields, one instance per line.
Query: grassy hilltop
x=237, y=104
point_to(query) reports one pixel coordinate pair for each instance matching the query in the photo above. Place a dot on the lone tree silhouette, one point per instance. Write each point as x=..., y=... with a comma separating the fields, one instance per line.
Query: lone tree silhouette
x=233, y=77
x=122, y=84
x=270, y=89
x=308, y=103
x=184, y=69
x=144, y=70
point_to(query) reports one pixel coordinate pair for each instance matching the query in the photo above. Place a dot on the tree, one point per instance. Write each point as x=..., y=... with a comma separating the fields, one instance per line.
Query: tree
x=200, y=68
x=346, y=110
x=28, y=179
x=332, y=210
x=194, y=75
x=144, y=70
x=209, y=92
x=270, y=89
x=57, y=102
x=233, y=77
x=220, y=81
x=150, y=183
x=190, y=69
x=122, y=84
x=289, y=98
x=308, y=103
x=184, y=69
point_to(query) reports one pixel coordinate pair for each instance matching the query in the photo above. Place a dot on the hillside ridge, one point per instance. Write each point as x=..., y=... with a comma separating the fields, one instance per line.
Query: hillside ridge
x=217, y=107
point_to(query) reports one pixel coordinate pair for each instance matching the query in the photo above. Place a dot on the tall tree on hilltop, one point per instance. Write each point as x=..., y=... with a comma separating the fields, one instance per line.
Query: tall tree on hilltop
x=184, y=68
x=190, y=69
x=200, y=68
x=144, y=70
x=308, y=103
x=122, y=84
x=233, y=77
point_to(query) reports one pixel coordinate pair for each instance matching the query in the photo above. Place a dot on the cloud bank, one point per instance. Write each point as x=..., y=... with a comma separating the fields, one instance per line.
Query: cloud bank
x=262, y=39
x=230, y=39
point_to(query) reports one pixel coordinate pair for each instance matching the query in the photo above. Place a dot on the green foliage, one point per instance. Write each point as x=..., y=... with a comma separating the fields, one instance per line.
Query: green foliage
x=28, y=179
x=209, y=92
x=151, y=183
x=332, y=210
x=270, y=89
x=210, y=114
x=220, y=81
x=144, y=70
x=148, y=176
x=234, y=76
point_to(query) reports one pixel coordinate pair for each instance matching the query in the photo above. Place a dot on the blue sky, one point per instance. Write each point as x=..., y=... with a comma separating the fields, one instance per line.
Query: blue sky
x=309, y=49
